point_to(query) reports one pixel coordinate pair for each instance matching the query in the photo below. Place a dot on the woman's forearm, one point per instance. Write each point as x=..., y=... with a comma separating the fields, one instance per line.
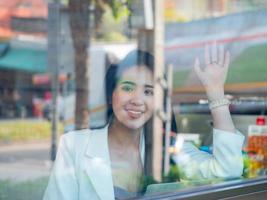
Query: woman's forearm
x=221, y=115
x=222, y=119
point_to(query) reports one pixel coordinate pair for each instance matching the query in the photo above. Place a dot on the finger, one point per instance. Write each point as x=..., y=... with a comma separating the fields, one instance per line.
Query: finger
x=221, y=55
x=214, y=56
x=227, y=60
x=207, y=55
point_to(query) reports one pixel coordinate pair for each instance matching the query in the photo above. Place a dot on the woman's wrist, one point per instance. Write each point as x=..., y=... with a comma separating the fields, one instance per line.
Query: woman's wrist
x=223, y=102
x=215, y=93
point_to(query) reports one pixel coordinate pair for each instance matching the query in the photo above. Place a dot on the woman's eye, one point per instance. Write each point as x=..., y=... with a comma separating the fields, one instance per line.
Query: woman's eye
x=127, y=88
x=149, y=92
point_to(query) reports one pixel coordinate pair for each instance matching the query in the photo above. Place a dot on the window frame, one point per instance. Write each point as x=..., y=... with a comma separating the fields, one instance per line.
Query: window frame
x=241, y=189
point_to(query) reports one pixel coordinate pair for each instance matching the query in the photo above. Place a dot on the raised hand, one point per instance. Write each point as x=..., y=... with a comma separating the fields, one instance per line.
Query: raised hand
x=214, y=74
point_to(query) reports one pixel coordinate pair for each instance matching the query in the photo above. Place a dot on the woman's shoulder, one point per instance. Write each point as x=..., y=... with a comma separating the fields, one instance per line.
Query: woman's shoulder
x=78, y=140
x=76, y=134
x=83, y=134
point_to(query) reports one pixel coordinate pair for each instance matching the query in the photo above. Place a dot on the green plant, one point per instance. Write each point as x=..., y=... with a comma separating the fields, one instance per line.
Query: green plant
x=173, y=175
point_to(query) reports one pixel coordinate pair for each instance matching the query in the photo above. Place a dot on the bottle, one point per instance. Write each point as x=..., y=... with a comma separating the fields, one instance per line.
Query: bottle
x=260, y=128
x=257, y=147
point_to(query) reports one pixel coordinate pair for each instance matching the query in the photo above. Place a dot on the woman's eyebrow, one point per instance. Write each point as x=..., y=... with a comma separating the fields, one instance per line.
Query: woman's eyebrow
x=127, y=82
x=149, y=86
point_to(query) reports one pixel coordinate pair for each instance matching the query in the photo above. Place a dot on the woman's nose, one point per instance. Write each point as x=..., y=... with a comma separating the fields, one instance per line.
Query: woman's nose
x=137, y=99
x=137, y=102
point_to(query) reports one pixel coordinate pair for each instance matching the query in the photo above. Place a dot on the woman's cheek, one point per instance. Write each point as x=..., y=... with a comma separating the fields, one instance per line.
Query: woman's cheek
x=114, y=98
x=119, y=97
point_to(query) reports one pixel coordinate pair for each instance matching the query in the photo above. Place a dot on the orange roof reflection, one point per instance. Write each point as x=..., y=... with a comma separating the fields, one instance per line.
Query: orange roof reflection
x=20, y=9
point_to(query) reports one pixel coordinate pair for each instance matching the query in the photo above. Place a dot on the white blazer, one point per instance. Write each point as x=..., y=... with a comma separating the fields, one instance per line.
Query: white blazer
x=82, y=168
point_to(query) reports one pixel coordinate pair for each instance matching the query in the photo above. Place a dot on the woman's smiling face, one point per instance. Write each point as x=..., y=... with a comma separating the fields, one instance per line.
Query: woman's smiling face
x=132, y=99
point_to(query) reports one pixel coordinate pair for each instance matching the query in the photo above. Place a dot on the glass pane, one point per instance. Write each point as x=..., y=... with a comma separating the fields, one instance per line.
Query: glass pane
x=91, y=108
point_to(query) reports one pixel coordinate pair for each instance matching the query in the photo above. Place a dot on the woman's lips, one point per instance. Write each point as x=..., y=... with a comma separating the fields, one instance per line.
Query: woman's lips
x=135, y=114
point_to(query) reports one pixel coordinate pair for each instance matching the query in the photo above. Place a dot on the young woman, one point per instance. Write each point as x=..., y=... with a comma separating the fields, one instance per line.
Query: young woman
x=96, y=164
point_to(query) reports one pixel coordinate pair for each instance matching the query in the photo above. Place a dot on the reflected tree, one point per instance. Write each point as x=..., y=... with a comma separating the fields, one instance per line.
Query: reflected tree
x=79, y=24
x=80, y=12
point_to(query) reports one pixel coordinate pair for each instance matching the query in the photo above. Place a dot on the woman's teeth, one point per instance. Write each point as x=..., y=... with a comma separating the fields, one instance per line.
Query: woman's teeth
x=134, y=114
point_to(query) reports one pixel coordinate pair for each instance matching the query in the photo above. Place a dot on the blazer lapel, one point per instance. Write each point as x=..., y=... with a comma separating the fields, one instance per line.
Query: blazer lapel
x=98, y=163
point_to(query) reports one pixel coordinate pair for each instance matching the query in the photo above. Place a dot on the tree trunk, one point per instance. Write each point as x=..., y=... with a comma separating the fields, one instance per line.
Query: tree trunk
x=79, y=24
x=98, y=17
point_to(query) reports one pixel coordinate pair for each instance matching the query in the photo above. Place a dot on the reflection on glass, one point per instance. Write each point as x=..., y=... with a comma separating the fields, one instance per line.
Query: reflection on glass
x=109, y=161
x=114, y=155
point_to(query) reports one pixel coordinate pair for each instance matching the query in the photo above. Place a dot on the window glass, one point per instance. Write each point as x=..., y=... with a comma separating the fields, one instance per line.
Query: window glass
x=124, y=99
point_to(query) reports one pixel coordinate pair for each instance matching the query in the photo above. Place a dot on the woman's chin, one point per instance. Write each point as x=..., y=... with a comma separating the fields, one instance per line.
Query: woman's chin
x=134, y=125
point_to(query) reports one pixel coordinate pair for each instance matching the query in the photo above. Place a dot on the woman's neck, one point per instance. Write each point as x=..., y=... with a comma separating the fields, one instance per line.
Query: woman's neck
x=122, y=135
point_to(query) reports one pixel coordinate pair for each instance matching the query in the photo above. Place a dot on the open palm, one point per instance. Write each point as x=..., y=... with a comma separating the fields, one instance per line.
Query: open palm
x=214, y=74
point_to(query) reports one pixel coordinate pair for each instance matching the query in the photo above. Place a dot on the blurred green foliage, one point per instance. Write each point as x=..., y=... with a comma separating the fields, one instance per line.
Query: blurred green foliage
x=120, y=8
x=112, y=29
x=25, y=130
